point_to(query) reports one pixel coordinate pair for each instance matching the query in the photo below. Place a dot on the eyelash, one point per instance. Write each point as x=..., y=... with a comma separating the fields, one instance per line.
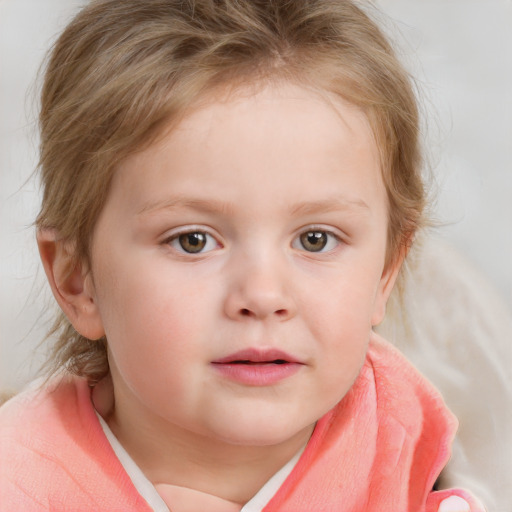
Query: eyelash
x=331, y=242
x=177, y=240
x=203, y=240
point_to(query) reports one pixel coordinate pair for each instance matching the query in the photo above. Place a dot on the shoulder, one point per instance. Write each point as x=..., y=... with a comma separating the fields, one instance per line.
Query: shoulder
x=57, y=455
x=408, y=402
x=40, y=414
x=37, y=429
x=406, y=398
x=401, y=387
x=45, y=413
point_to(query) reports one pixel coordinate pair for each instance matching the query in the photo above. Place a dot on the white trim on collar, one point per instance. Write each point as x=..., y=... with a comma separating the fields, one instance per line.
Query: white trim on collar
x=147, y=490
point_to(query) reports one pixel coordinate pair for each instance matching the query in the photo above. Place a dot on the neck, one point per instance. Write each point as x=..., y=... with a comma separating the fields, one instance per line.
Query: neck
x=172, y=456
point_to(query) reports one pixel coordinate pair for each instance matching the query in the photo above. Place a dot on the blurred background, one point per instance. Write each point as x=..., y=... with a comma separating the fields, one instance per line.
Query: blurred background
x=461, y=53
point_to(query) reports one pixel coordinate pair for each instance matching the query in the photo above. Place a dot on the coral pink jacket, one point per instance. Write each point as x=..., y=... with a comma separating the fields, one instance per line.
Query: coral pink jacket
x=381, y=449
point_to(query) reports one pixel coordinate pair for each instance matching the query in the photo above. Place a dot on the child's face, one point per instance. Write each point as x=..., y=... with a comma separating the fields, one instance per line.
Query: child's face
x=255, y=230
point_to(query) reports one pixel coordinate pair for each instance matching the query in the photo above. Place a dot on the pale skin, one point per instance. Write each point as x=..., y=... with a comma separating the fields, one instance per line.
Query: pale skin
x=258, y=222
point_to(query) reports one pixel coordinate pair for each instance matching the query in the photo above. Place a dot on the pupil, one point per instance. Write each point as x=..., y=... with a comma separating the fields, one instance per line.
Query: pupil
x=314, y=241
x=193, y=242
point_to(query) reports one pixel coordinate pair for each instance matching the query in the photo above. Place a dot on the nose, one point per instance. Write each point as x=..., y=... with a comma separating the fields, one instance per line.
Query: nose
x=260, y=291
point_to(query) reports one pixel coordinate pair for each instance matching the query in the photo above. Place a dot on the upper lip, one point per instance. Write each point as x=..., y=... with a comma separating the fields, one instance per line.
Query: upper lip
x=257, y=355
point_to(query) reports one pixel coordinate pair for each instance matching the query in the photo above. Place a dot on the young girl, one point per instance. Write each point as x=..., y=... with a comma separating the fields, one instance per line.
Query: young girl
x=230, y=188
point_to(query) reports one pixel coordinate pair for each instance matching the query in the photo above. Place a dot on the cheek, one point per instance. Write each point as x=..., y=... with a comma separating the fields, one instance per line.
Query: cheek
x=347, y=302
x=154, y=316
x=152, y=341
x=341, y=325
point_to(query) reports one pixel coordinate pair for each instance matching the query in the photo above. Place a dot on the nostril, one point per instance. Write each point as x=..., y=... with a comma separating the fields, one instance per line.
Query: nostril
x=249, y=313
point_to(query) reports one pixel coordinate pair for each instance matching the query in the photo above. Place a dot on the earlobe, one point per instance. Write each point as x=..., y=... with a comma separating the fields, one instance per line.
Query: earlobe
x=71, y=284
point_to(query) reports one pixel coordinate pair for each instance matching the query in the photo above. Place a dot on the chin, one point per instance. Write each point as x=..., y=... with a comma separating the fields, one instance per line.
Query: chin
x=261, y=431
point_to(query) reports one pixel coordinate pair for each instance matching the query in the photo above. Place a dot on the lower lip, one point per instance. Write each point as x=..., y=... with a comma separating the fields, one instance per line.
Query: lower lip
x=257, y=374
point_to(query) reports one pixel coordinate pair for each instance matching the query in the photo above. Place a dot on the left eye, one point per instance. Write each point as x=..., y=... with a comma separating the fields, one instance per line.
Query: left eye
x=315, y=240
x=193, y=242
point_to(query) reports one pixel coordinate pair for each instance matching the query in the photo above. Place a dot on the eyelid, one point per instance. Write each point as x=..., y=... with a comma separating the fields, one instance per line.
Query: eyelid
x=329, y=230
x=175, y=233
x=189, y=228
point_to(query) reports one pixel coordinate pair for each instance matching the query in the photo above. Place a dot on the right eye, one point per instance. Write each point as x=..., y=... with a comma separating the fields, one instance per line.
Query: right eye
x=193, y=242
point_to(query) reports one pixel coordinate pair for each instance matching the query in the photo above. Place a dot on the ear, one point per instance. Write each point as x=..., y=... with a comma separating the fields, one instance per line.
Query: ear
x=71, y=284
x=386, y=284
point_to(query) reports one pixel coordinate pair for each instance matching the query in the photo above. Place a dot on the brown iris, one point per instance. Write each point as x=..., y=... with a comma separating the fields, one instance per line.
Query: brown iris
x=192, y=242
x=313, y=241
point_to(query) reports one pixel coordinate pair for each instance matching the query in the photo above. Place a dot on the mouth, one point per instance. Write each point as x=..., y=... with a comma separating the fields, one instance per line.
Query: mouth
x=254, y=356
x=257, y=367
x=276, y=361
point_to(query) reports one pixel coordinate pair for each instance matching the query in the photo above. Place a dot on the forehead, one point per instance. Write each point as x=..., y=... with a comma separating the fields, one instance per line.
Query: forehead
x=299, y=140
x=288, y=110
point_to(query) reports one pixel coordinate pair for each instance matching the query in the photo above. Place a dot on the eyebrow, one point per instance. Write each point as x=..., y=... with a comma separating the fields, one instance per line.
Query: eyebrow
x=212, y=206
x=333, y=204
x=202, y=205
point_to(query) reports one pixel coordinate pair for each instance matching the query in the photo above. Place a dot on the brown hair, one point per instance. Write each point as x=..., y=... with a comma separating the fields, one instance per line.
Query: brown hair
x=124, y=69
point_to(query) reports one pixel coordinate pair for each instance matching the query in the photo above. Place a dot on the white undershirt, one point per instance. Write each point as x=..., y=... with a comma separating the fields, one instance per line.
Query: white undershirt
x=147, y=490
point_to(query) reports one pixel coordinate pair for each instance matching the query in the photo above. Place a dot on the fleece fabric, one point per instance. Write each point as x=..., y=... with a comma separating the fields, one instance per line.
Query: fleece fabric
x=380, y=449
